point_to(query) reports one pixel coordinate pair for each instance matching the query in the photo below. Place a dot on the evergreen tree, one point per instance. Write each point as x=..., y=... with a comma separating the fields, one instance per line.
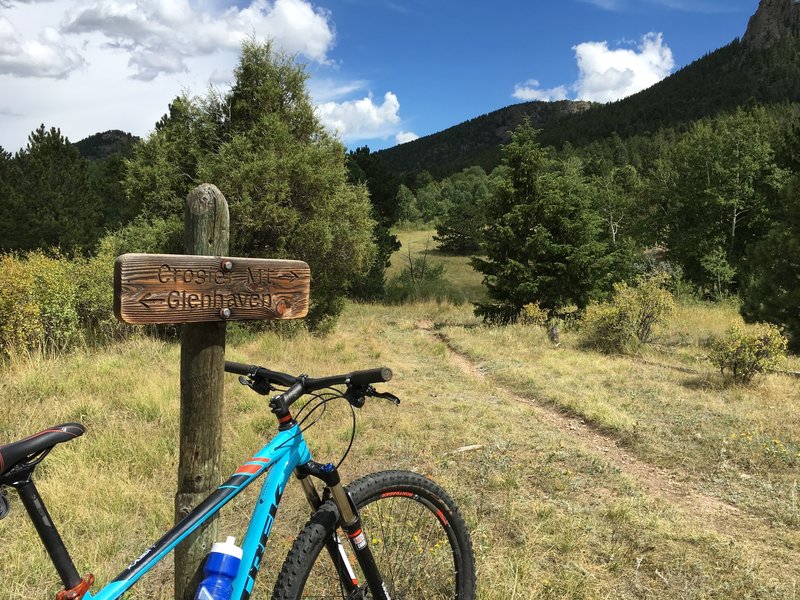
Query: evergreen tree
x=465, y=194
x=10, y=205
x=772, y=290
x=106, y=175
x=53, y=202
x=542, y=238
x=284, y=177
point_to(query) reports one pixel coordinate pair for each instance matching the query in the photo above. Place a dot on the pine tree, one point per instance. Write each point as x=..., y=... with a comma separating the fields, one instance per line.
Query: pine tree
x=465, y=194
x=53, y=202
x=366, y=168
x=542, y=238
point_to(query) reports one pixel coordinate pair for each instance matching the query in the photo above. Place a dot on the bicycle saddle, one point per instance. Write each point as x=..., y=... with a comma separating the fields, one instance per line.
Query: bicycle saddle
x=17, y=452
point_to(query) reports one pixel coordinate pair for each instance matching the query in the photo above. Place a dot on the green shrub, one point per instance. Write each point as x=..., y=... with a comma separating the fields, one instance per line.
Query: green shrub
x=627, y=320
x=50, y=302
x=608, y=328
x=95, y=301
x=20, y=326
x=38, y=297
x=55, y=290
x=533, y=314
x=148, y=236
x=744, y=354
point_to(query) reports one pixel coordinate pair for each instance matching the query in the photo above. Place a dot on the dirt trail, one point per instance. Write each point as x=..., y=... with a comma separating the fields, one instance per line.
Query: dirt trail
x=658, y=482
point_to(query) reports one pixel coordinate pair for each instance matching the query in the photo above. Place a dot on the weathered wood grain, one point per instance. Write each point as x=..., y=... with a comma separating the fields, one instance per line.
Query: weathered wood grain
x=176, y=288
x=206, y=222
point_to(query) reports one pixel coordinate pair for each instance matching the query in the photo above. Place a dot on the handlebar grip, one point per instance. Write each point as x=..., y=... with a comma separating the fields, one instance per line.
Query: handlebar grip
x=238, y=368
x=368, y=376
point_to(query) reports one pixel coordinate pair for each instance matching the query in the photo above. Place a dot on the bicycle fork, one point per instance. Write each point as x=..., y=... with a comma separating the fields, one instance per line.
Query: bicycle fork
x=350, y=520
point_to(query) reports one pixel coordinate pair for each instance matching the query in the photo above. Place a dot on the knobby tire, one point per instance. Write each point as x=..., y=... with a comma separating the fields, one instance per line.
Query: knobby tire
x=419, y=540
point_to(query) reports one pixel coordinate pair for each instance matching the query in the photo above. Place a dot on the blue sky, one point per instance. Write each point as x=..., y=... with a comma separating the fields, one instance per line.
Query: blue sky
x=381, y=71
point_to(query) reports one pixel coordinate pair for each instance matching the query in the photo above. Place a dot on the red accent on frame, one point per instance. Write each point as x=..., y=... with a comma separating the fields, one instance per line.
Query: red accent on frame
x=353, y=535
x=250, y=469
x=285, y=419
x=79, y=591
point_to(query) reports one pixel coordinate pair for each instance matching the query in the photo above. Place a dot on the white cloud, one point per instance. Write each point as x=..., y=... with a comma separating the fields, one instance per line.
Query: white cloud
x=361, y=119
x=161, y=34
x=405, y=136
x=47, y=56
x=123, y=61
x=530, y=90
x=610, y=74
x=330, y=90
x=690, y=6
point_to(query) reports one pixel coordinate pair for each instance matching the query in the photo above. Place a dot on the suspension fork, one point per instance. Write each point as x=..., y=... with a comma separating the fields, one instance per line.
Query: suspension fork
x=333, y=546
x=350, y=520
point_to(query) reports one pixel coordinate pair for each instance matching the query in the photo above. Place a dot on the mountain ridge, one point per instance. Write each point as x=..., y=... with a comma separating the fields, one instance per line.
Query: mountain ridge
x=772, y=20
x=763, y=67
x=479, y=138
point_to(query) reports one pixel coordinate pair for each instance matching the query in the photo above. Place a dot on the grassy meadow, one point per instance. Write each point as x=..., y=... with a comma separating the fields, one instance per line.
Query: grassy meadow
x=581, y=476
x=463, y=281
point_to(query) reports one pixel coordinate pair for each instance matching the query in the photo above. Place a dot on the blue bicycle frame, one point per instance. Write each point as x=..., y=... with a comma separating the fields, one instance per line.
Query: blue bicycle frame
x=281, y=456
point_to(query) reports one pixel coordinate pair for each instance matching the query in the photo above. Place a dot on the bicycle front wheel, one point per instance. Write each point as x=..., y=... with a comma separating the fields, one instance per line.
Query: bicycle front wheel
x=418, y=538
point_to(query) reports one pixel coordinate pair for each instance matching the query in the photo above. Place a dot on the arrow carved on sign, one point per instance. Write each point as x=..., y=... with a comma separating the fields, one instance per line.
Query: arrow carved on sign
x=147, y=299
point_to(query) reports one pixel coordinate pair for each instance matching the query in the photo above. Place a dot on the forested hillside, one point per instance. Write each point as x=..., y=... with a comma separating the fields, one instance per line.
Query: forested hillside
x=106, y=144
x=738, y=74
x=476, y=142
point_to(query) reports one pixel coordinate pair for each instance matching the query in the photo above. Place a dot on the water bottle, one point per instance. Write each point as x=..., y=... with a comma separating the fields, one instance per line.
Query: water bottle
x=220, y=571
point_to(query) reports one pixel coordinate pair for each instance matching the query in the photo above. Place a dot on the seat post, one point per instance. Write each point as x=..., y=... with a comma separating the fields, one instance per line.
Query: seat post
x=48, y=533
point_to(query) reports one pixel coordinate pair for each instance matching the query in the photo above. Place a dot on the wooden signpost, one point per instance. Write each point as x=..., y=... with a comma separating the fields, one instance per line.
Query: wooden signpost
x=177, y=288
x=203, y=289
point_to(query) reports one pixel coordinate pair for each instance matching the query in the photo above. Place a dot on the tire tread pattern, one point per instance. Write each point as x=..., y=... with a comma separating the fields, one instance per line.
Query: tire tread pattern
x=309, y=543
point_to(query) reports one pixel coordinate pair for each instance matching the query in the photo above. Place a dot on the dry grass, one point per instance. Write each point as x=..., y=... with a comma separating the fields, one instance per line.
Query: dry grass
x=550, y=517
x=464, y=279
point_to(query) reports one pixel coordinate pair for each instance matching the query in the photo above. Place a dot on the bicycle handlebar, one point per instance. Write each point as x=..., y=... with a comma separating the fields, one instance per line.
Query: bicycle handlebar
x=355, y=378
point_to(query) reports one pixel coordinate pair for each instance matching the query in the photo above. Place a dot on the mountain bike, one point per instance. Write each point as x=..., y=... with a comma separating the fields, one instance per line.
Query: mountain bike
x=404, y=538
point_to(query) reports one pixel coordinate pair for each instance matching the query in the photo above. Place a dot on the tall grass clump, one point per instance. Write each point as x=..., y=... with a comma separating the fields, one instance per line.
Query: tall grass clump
x=627, y=320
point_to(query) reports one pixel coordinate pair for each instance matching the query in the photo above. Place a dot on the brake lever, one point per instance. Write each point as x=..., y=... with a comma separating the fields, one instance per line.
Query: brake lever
x=386, y=396
x=258, y=386
x=356, y=395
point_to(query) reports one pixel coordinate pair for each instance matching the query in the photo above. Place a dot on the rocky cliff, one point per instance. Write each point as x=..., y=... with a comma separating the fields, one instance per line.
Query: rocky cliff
x=773, y=20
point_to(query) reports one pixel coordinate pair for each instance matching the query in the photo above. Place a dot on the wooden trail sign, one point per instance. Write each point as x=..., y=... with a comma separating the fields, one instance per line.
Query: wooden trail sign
x=176, y=288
